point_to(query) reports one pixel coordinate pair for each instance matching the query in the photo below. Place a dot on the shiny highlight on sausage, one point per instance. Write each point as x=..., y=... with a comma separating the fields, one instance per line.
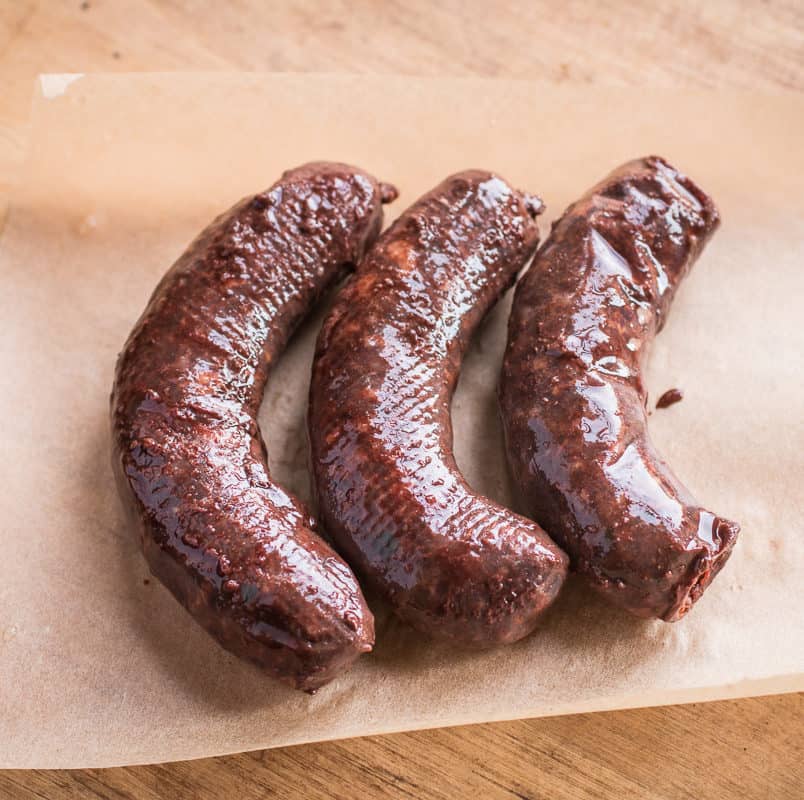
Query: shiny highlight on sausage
x=238, y=551
x=574, y=404
x=452, y=563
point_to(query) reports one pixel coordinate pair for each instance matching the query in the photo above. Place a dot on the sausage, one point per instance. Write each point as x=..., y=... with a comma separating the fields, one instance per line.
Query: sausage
x=450, y=562
x=669, y=398
x=238, y=551
x=573, y=400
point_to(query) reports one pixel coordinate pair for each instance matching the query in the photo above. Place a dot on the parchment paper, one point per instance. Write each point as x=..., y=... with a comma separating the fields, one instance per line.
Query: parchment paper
x=100, y=666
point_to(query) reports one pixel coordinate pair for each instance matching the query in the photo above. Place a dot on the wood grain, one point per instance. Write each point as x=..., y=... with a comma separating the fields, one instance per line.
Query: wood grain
x=752, y=44
x=741, y=749
x=745, y=749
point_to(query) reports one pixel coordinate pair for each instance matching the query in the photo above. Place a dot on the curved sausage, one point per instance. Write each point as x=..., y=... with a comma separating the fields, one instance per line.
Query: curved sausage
x=449, y=561
x=573, y=401
x=235, y=549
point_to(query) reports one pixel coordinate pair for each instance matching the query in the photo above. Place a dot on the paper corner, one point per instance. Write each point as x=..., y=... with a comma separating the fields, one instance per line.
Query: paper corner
x=53, y=85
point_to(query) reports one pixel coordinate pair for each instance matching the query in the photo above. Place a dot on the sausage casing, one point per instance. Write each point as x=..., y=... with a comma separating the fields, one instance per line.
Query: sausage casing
x=449, y=561
x=573, y=401
x=238, y=551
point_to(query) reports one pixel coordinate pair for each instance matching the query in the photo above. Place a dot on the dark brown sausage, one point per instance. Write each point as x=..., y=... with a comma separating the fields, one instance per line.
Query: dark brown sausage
x=236, y=550
x=669, y=398
x=572, y=397
x=450, y=562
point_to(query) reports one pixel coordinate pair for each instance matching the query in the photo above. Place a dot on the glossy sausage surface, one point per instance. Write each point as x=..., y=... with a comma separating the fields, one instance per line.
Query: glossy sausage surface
x=236, y=550
x=449, y=561
x=573, y=401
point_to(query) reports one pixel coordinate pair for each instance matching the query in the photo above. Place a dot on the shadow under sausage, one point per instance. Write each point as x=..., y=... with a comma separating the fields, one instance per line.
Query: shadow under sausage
x=578, y=627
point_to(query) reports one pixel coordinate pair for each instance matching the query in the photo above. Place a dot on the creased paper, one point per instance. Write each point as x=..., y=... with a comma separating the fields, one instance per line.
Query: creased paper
x=100, y=666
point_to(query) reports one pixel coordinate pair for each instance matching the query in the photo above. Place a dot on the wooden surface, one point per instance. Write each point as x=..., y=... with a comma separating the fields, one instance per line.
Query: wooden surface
x=746, y=749
x=742, y=749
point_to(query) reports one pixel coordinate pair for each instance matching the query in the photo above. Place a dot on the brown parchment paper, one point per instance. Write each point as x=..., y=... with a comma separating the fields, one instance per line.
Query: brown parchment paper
x=100, y=667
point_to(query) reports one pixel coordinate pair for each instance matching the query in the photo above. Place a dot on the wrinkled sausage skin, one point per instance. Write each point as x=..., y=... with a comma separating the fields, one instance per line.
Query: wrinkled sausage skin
x=573, y=400
x=235, y=549
x=450, y=562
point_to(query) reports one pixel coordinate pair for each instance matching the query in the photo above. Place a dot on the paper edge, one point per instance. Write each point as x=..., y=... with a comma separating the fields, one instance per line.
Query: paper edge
x=743, y=690
x=55, y=84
